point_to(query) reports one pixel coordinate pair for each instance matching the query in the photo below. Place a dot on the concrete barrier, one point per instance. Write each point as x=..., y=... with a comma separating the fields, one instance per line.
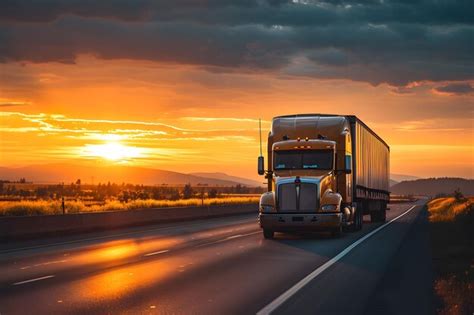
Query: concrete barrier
x=12, y=228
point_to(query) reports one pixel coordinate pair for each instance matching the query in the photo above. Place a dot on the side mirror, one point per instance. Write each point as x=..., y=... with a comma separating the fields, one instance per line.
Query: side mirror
x=348, y=164
x=261, y=165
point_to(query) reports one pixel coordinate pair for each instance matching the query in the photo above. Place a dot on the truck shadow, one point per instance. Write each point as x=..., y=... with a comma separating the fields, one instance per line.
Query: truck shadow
x=319, y=235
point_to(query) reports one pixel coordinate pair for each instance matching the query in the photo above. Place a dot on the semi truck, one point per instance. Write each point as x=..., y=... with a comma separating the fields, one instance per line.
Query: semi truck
x=324, y=173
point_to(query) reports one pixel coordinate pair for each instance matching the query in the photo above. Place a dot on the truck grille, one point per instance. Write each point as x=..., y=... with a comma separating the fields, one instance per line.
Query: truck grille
x=301, y=197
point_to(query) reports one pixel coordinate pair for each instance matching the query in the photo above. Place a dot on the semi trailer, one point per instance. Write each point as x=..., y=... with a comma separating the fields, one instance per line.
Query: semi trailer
x=324, y=172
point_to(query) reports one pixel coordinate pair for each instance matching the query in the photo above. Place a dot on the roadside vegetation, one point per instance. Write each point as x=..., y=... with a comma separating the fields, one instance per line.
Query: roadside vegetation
x=43, y=207
x=23, y=198
x=452, y=235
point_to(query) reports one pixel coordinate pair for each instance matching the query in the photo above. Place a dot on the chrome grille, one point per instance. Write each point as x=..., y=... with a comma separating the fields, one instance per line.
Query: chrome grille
x=287, y=197
x=308, y=197
x=302, y=197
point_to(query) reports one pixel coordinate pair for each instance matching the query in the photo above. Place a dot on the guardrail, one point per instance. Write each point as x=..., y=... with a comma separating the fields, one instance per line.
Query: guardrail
x=12, y=228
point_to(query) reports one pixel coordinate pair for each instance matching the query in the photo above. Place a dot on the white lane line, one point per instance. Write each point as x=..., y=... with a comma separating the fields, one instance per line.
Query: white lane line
x=226, y=239
x=45, y=264
x=165, y=228
x=234, y=236
x=157, y=253
x=33, y=280
x=292, y=291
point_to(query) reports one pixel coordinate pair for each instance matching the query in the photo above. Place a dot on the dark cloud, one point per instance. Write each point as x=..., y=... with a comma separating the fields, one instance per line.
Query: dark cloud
x=396, y=41
x=456, y=88
x=14, y=104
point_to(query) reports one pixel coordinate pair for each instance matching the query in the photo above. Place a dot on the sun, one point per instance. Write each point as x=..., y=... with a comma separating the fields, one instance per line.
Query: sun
x=112, y=151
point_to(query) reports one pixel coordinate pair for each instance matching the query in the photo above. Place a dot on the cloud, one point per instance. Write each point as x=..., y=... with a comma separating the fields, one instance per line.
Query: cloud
x=393, y=41
x=115, y=130
x=13, y=104
x=230, y=119
x=455, y=89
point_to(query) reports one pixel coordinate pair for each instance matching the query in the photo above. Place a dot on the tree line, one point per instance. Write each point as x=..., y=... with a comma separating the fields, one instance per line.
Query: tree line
x=123, y=192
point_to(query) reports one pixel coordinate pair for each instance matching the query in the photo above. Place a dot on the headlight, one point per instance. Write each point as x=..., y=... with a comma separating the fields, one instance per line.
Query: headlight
x=267, y=208
x=329, y=208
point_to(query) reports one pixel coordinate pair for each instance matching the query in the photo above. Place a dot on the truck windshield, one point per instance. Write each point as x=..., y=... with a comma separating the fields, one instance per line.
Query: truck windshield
x=303, y=159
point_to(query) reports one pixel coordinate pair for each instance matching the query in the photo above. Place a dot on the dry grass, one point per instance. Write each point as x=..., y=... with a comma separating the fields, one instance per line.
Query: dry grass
x=446, y=209
x=452, y=235
x=42, y=207
x=457, y=296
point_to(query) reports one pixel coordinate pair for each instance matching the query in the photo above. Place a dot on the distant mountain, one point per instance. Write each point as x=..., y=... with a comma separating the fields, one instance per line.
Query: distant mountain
x=402, y=177
x=434, y=186
x=392, y=182
x=67, y=173
x=223, y=176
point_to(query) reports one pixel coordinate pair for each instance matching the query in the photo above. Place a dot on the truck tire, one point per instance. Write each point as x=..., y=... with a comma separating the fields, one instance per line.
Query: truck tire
x=268, y=234
x=358, y=220
x=378, y=216
x=374, y=216
x=337, y=232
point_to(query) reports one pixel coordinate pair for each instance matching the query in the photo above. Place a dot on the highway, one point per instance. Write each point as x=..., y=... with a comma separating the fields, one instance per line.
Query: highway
x=222, y=266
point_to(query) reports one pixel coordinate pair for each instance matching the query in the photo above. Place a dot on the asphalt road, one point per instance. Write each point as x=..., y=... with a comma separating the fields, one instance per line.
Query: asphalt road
x=220, y=266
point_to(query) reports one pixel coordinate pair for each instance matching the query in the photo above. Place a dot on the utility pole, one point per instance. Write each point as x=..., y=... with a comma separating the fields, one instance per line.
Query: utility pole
x=62, y=205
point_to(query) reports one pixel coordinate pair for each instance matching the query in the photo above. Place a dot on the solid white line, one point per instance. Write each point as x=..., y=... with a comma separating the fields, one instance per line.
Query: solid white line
x=292, y=291
x=234, y=236
x=157, y=253
x=33, y=280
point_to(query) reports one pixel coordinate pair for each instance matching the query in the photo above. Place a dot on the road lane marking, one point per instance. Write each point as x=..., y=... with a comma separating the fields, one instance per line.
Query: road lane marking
x=165, y=228
x=33, y=280
x=234, y=236
x=157, y=253
x=226, y=239
x=298, y=286
x=45, y=264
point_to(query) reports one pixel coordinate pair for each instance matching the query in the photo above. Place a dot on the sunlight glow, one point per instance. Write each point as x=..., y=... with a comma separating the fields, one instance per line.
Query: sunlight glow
x=113, y=151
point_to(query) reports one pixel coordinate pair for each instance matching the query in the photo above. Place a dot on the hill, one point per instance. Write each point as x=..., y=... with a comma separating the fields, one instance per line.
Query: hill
x=434, y=186
x=223, y=176
x=402, y=177
x=393, y=182
x=67, y=173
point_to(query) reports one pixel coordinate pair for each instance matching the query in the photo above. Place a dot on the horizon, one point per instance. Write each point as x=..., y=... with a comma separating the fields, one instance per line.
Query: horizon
x=94, y=148
x=225, y=179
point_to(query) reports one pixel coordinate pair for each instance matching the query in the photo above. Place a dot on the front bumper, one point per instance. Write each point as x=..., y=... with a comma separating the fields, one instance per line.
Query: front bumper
x=282, y=222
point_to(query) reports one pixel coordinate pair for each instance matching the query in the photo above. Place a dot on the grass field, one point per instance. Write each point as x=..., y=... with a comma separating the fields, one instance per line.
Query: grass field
x=452, y=235
x=42, y=207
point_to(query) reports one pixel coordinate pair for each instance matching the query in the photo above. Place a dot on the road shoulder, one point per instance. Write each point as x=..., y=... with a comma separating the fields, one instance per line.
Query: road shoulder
x=407, y=286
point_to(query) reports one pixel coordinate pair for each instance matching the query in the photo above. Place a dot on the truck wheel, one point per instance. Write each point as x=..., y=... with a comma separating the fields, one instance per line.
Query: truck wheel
x=337, y=232
x=378, y=216
x=268, y=234
x=358, y=220
x=374, y=216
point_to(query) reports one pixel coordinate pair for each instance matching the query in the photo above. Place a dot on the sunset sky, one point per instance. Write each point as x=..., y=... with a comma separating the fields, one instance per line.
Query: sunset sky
x=180, y=85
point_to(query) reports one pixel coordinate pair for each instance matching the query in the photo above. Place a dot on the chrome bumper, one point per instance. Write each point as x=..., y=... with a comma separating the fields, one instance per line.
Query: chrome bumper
x=300, y=221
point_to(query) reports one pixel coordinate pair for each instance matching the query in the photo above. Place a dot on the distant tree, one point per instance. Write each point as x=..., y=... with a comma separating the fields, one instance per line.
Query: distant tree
x=187, y=191
x=78, y=182
x=174, y=194
x=212, y=193
x=22, y=180
x=124, y=196
x=238, y=189
x=41, y=192
x=458, y=195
